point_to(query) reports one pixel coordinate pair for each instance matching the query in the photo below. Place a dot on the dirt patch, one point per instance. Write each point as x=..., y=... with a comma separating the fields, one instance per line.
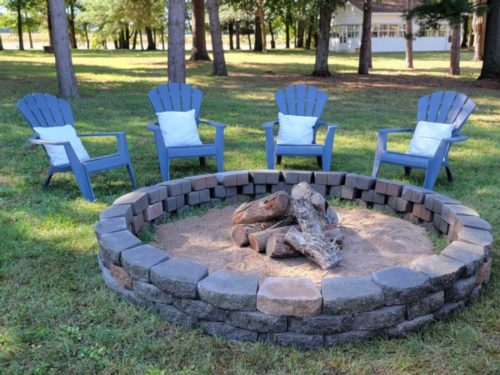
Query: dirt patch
x=372, y=241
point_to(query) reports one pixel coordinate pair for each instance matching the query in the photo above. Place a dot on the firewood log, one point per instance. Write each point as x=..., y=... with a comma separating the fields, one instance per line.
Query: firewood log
x=264, y=209
x=258, y=240
x=240, y=232
x=277, y=247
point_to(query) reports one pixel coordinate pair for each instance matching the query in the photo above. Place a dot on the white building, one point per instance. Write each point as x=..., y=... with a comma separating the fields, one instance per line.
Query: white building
x=388, y=29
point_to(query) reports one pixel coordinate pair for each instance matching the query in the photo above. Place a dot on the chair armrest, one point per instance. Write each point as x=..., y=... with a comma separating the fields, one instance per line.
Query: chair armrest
x=73, y=159
x=444, y=146
x=48, y=143
x=328, y=125
x=455, y=139
x=153, y=126
x=269, y=125
x=121, y=140
x=217, y=125
x=330, y=132
x=395, y=130
x=113, y=134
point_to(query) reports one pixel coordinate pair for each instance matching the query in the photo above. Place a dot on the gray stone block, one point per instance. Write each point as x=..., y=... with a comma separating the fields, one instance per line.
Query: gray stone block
x=170, y=204
x=155, y=193
x=435, y=202
x=173, y=315
x=448, y=308
x=199, y=309
x=365, y=183
x=268, y=177
x=394, y=188
x=379, y=198
x=392, y=202
x=344, y=338
x=336, y=178
x=442, y=271
x=139, y=260
x=280, y=186
x=403, y=205
x=124, y=210
x=346, y=295
x=471, y=255
x=257, y=321
x=437, y=221
x=177, y=187
x=193, y=198
x=401, y=285
x=350, y=193
x=204, y=196
x=335, y=191
x=228, y=332
x=320, y=324
x=218, y=192
x=298, y=340
x=478, y=237
x=288, y=188
x=232, y=178
x=138, y=201
x=381, y=186
x=444, y=227
x=427, y=305
x=406, y=327
x=151, y=292
x=127, y=295
x=378, y=319
x=105, y=226
x=321, y=178
x=321, y=189
x=450, y=212
x=418, y=195
x=215, y=201
x=350, y=180
x=231, y=191
x=294, y=177
x=230, y=291
x=407, y=192
x=461, y=290
x=247, y=189
x=367, y=195
x=239, y=198
x=184, y=209
x=260, y=189
x=113, y=244
x=178, y=277
x=471, y=222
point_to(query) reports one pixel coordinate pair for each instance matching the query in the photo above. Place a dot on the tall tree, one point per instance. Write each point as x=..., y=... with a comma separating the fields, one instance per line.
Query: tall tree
x=455, y=50
x=151, y=39
x=1, y=44
x=199, y=48
x=409, y=37
x=66, y=79
x=237, y=32
x=366, y=34
x=216, y=33
x=465, y=30
x=260, y=10
x=258, y=34
x=176, y=41
x=491, y=58
x=479, y=27
x=71, y=21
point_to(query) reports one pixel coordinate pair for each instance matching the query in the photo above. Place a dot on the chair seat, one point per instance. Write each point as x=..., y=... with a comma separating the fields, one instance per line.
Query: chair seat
x=405, y=160
x=302, y=150
x=192, y=151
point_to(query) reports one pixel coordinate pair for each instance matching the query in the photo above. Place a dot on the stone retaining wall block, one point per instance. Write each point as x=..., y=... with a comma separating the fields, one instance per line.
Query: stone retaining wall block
x=228, y=332
x=320, y=324
x=406, y=327
x=137, y=200
x=298, y=340
x=173, y=315
x=344, y=338
x=177, y=187
x=471, y=255
x=257, y=321
x=155, y=193
x=427, y=305
x=106, y=226
x=477, y=236
x=199, y=309
x=377, y=319
x=113, y=244
x=125, y=294
x=444, y=312
x=460, y=290
x=151, y=292
x=483, y=274
x=153, y=211
x=267, y=177
x=442, y=271
x=450, y=212
x=295, y=177
x=124, y=210
x=138, y=261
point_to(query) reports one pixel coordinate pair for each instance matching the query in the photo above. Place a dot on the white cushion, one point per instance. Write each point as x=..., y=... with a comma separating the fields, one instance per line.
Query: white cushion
x=427, y=137
x=295, y=130
x=57, y=154
x=179, y=128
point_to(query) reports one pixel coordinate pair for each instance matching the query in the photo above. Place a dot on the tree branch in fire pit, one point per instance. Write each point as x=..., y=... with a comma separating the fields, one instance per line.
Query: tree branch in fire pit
x=264, y=209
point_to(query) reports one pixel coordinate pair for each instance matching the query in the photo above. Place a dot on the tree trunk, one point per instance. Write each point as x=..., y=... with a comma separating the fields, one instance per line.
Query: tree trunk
x=237, y=31
x=471, y=34
x=231, y=35
x=127, y=37
x=321, y=64
x=151, y=41
x=68, y=88
x=273, y=42
x=134, y=40
x=491, y=60
x=248, y=34
x=479, y=27
x=240, y=232
x=465, y=28
x=216, y=33
x=87, y=35
x=262, y=210
x=1, y=44
x=30, y=39
x=262, y=25
x=409, y=38
x=116, y=44
x=310, y=32
x=300, y=37
x=257, y=46
x=140, y=39
x=162, y=38
x=176, y=42
x=20, y=26
x=121, y=38
x=199, y=45
x=74, y=45
x=277, y=247
x=49, y=25
x=364, y=53
x=287, y=29
x=154, y=37
x=295, y=35
x=455, y=51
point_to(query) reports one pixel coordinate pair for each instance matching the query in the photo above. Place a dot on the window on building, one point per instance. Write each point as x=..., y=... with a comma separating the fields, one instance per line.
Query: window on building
x=353, y=31
x=438, y=31
x=388, y=31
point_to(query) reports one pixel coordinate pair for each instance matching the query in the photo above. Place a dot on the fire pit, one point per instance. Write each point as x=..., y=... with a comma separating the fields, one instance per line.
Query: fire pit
x=290, y=310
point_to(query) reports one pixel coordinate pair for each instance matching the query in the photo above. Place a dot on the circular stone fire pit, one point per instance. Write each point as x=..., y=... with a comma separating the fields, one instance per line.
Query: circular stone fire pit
x=293, y=311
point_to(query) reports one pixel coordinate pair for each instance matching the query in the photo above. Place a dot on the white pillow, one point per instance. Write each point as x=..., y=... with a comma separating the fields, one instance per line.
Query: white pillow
x=57, y=154
x=295, y=130
x=179, y=128
x=427, y=138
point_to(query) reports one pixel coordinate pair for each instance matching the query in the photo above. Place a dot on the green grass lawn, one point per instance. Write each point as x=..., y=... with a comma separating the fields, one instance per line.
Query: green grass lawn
x=56, y=314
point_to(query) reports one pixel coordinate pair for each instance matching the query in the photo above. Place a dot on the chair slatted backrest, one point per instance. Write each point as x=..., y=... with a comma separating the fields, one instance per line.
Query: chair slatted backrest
x=446, y=107
x=45, y=110
x=301, y=100
x=176, y=97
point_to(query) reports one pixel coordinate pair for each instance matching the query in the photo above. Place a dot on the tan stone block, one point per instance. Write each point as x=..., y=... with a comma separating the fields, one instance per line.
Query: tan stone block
x=137, y=223
x=483, y=275
x=289, y=296
x=120, y=275
x=153, y=211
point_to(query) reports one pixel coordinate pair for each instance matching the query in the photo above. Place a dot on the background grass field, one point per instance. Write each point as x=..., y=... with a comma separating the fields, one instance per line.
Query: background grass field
x=57, y=316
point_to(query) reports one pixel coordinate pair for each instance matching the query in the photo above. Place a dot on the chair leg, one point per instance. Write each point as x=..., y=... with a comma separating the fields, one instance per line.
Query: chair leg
x=278, y=160
x=47, y=180
x=431, y=176
x=219, y=157
x=407, y=171
x=83, y=180
x=165, y=169
x=203, y=161
x=131, y=174
x=376, y=166
x=448, y=173
x=320, y=161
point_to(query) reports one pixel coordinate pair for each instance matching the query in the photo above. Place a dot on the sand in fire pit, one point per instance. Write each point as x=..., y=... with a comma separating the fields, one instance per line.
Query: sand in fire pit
x=372, y=241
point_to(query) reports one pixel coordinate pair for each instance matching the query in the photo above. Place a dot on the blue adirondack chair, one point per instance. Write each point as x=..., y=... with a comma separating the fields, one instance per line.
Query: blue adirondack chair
x=182, y=97
x=48, y=111
x=442, y=107
x=301, y=100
